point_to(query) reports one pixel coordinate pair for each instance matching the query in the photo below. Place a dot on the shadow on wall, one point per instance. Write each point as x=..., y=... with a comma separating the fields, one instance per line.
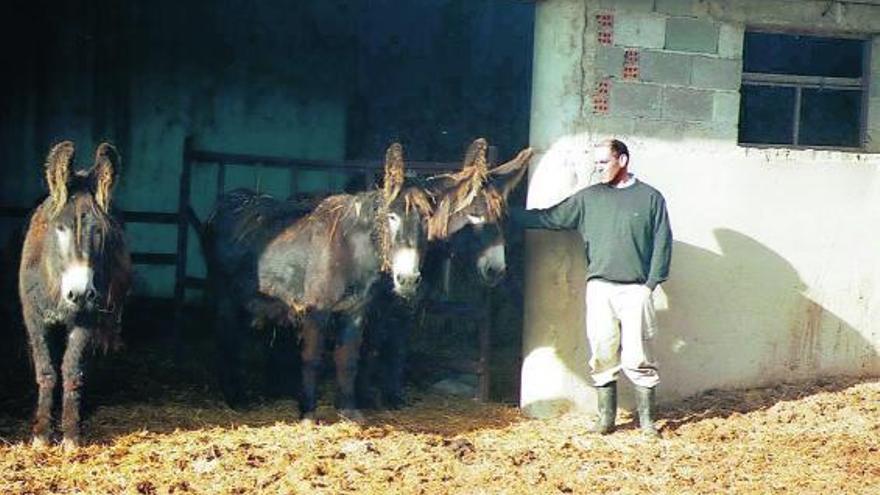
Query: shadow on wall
x=742, y=318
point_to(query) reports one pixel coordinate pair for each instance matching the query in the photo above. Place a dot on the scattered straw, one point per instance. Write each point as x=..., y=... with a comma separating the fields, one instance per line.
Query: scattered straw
x=817, y=438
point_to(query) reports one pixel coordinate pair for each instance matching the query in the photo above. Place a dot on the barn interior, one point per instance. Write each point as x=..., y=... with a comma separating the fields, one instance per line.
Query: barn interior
x=315, y=85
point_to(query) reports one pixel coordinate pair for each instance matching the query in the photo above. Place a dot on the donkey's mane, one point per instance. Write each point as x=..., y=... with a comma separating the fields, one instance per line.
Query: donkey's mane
x=456, y=191
x=335, y=209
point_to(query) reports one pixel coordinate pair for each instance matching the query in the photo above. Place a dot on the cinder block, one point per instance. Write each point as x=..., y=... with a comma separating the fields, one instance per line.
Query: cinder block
x=628, y=5
x=666, y=130
x=730, y=40
x=635, y=99
x=691, y=35
x=714, y=131
x=674, y=7
x=639, y=30
x=614, y=126
x=716, y=73
x=666, y=68
x=725, y=107
x=609, y=60
x=688, y=104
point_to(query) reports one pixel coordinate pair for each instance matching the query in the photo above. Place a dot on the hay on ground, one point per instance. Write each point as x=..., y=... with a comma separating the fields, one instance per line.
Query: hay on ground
x=822, y=437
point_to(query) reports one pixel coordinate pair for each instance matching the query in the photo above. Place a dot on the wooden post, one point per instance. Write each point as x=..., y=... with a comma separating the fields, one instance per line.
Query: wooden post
x=182, y=245
x=485, y=325
x=485, y=320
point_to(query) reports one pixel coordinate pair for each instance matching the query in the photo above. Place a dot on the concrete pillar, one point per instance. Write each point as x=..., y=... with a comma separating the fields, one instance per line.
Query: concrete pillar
x=554, y=343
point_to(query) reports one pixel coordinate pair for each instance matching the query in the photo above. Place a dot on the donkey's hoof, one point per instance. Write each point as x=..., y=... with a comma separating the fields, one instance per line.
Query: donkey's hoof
x=69, y=444
x=308, y=417
x=353, y=415
x=40, y=441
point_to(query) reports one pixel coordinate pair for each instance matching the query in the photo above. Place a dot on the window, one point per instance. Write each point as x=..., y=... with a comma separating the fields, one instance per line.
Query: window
x=803, y=91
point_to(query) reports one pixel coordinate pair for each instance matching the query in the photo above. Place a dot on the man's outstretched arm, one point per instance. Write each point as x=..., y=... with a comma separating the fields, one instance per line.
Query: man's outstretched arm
x=564, y=216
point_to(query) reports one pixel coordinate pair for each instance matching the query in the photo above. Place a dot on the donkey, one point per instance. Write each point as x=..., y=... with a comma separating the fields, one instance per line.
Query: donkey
x=467, y=220
x=470, y=208
x=269, y=262
x=74, y=277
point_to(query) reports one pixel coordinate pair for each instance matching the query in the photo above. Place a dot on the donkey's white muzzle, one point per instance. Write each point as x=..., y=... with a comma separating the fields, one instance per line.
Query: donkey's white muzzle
x=77, y=284
x=405, y=270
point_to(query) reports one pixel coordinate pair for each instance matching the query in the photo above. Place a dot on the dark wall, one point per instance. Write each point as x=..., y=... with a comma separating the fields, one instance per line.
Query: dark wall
x=310, y=79
x=439, y=73
x=434, y=73
x=261, y=77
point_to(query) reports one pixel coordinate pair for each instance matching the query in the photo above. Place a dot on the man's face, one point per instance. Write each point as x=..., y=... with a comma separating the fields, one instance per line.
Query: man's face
x=608, y=165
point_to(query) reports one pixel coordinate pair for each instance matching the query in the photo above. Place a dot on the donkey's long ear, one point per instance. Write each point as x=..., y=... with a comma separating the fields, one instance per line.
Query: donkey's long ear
x=59, y=171
x=507, y=176
x=475, y=156
x=474, y=173
x=394, y=172
x=104, y=172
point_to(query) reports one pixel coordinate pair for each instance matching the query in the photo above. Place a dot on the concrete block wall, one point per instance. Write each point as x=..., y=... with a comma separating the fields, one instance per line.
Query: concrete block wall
x=687, y=77
x=699, y=45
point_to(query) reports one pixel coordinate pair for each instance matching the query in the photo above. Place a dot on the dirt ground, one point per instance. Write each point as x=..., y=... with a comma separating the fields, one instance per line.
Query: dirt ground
x=818, y=437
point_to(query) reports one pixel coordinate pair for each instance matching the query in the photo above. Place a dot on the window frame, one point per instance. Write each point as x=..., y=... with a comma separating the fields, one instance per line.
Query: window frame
x=801, y=82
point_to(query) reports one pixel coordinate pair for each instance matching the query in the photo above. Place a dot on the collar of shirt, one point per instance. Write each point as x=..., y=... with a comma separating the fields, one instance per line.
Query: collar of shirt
x=629, y=181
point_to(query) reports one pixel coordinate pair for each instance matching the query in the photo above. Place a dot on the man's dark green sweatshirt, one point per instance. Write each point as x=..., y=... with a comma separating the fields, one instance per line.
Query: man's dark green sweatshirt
x=626, y=231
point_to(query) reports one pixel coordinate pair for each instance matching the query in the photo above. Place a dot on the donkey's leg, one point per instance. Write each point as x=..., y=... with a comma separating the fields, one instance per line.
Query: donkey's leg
x=46, y=377
x=282, y=376
x=73, y=378
x=312, y=347
x=395, y=357
x=228, y=329
x=368, y=363
x=347, y=353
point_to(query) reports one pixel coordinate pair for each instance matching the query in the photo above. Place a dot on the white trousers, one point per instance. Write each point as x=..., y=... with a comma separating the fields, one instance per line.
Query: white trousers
x=620, y=325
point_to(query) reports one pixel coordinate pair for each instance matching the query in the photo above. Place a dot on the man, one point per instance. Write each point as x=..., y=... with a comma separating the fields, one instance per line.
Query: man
x=628, y=242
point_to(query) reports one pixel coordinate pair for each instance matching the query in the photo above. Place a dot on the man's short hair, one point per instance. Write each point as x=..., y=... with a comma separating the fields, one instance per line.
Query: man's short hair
x=618, y=148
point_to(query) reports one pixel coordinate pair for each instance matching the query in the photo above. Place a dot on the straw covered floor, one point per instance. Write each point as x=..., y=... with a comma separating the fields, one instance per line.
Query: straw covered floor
x=818, y=437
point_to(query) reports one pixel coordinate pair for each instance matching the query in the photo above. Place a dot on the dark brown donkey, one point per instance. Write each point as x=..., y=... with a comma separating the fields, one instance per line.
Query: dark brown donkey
x=74, y=276
x=470, y=206
x=270, y=265
x=467, y=221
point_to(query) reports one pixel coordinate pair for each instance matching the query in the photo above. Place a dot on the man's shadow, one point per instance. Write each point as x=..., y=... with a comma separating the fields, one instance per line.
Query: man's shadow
x=743, y=318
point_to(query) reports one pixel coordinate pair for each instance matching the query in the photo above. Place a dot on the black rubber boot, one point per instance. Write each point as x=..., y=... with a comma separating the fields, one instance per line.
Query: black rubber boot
x=606, y=396
x=645, y=399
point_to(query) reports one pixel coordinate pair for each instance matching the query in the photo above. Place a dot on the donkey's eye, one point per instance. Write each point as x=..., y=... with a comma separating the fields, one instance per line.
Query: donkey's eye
x=393, y=220
x=61, y=228
x=476, y=219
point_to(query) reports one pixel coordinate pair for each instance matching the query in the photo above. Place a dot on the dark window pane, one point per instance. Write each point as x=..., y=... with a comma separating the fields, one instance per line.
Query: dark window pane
x=830, y=117
x=766, y=115
x=802, y=55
